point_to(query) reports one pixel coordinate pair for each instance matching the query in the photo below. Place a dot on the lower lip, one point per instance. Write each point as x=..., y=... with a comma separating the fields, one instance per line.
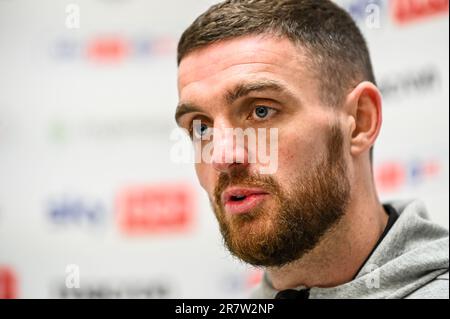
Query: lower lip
x=245, y=205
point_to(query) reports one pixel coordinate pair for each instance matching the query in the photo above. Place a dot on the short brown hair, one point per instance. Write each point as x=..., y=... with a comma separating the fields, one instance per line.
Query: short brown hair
x=335, y=47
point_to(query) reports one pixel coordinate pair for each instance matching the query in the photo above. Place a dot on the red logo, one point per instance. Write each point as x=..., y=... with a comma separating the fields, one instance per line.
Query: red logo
x=8, y=284
x=254, y=278
x=390, y=176
x=108, y=49
x=156, y=209
x=408, y=10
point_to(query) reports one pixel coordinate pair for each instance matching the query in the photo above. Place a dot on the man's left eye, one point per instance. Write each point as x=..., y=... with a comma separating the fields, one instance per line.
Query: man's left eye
x=262, y=112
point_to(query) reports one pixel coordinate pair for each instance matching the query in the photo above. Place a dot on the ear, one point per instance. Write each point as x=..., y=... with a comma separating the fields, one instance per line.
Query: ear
x=364, y=105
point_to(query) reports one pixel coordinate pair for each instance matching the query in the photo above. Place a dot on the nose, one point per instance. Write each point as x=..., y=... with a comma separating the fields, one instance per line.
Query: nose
x=228, y=151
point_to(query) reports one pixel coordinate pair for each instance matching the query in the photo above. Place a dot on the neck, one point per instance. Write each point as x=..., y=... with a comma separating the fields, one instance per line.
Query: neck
x=341, y=252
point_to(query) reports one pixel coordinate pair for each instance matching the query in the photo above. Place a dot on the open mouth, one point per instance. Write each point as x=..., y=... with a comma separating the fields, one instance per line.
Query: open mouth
x=242, y=200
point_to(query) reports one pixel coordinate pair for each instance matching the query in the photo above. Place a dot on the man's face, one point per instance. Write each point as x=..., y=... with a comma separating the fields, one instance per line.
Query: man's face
x=265, y=83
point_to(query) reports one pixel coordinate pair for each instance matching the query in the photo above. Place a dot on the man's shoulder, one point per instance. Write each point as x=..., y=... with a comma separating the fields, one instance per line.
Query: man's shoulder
x=435, y=289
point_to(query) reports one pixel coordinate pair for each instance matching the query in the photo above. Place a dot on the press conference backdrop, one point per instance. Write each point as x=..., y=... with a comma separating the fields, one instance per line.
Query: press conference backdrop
x=91, y=206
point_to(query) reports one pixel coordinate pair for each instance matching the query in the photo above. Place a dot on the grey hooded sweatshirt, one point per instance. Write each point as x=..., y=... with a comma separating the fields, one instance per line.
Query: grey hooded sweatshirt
x=411, y=261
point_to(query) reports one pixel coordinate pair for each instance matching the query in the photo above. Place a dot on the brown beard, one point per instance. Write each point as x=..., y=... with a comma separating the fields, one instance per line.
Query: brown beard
x=277, y=235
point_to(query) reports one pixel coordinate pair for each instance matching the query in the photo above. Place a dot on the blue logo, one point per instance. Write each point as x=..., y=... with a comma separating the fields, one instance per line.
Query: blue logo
x=76, y=211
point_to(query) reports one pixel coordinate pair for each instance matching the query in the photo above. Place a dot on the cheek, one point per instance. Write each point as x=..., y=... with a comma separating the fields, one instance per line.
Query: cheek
x=302, y=141
x=205, y=176
x=297, y=153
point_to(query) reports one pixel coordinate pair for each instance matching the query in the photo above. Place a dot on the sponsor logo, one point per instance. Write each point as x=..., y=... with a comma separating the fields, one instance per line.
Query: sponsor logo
x=404, y=11
x=150, y=209
x=392, y=176
x=62, y=131
x=129, y=289
x=73, y=210
x=8, y=283
x=108, y=49
x=114, y=49
x=140, y=210
x=413, y=82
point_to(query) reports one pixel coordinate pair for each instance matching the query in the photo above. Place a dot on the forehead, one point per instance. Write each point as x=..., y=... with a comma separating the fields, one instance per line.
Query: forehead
x=251, y=56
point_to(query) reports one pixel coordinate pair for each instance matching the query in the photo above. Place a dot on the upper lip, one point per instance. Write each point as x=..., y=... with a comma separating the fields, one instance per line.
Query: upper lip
x=240, y=191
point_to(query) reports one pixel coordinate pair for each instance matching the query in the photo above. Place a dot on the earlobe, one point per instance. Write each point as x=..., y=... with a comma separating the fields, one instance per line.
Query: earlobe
x=367, y=111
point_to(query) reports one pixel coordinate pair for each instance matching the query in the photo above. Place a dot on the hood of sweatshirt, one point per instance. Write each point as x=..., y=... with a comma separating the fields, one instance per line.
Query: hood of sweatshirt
x=412, y=261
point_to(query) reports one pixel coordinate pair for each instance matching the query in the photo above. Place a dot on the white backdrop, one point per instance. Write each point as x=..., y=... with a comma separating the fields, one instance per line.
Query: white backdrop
x=86, y=184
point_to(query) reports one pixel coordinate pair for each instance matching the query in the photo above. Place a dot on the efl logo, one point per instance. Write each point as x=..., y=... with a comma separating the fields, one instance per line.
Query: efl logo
x=156, y=209
x=8, y=284
x=409, y=10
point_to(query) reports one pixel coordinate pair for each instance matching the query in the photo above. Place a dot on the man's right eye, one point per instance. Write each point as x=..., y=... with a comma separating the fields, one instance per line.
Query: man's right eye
x=200, y=130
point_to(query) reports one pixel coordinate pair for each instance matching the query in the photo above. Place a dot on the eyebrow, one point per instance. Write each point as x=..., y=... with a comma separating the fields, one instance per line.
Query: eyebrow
x=244, y=89
x=185, y=108
x=239, y=91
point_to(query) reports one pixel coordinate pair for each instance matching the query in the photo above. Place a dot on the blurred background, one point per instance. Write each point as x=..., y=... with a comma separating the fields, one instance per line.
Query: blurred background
x=91, y=206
